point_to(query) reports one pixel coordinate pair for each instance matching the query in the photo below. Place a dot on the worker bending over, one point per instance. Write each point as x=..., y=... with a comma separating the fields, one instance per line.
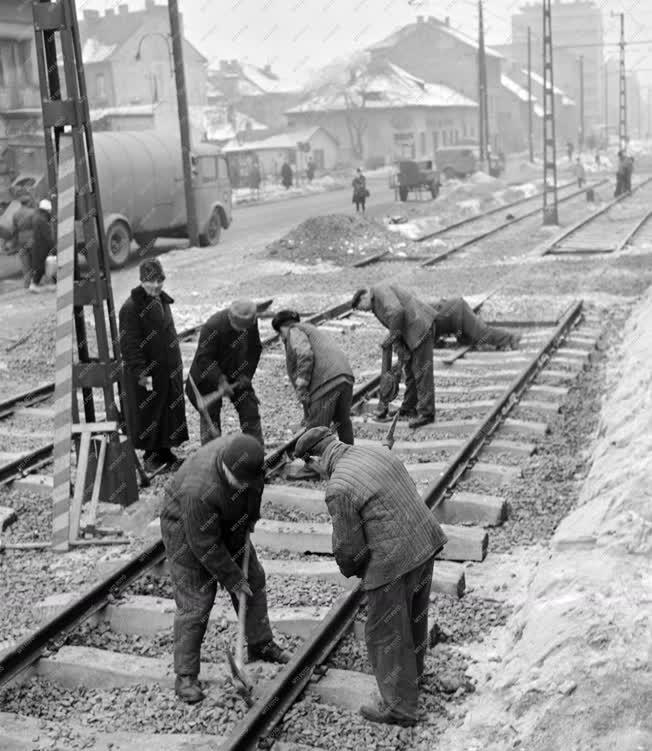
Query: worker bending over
x=209, y=505
x=384, y=533
x=456, y=317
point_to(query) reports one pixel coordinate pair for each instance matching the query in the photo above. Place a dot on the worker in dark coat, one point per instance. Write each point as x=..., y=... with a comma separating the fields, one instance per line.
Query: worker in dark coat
x=621, y=174
x=226, y=359
x=320, y=373
x=209, y=505
x=384, y=533
x=456, y=317
x=153, y=370
x=23, y=236
x=410, y=324
x=286, y=175
x=360, y=192
x=42, y=246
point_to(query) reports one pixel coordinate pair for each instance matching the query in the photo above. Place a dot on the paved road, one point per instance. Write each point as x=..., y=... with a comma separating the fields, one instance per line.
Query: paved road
x=253, y=224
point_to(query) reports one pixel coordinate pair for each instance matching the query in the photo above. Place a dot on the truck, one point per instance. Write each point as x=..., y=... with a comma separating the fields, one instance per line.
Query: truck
x=142, y=191
x=416, y=177
x=463, y=160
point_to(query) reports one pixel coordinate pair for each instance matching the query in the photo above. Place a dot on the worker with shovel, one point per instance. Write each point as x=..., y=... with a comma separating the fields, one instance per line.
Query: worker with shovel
x=210, y=506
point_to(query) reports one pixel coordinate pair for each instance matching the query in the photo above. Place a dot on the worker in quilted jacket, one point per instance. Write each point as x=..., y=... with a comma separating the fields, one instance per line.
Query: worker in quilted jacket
x=455, y=317
x=384, y=534
x=209, y=505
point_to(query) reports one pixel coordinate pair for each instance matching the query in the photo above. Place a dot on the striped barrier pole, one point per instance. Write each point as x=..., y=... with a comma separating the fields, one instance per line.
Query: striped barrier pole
x=63, y=385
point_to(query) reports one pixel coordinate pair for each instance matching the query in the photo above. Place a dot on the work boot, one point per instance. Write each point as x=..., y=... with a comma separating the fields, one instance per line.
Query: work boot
x=187, y=688
x=382, y=413
x=35, y=288
x=268, y=652
x=420, y=420
x=383, y=715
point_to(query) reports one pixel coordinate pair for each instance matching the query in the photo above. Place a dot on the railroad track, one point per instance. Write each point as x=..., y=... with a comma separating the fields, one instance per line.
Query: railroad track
x=486, y=446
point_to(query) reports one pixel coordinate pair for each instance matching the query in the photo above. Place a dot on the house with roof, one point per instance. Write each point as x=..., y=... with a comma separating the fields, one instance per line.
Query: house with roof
x=257, y=92
x=298, y=147
x=379, y=112
x=128, y=59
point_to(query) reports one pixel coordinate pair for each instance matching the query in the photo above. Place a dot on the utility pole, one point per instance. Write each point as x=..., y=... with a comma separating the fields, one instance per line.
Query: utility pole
x=184, y=120
x=606, y=103
x=581, y=130
x=550, y=213
x=482, y=90
x=529, y=94
x=622, y=89
x=649, y=101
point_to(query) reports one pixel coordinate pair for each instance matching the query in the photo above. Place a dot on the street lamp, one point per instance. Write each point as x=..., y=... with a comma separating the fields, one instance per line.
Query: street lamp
x=168, y=42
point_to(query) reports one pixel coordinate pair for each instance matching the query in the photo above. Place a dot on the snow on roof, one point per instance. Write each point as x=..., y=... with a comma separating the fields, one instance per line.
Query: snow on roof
x=406, y=31
x=96, y=52
x=131, y=110
x=279, y=142
x=513, y=87
x=390, y=87
x=539, y=79
x=214, y=123
x=268, y=83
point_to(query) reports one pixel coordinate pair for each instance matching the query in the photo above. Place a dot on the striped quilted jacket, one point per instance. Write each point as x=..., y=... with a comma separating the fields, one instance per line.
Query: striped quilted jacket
x=381, y=526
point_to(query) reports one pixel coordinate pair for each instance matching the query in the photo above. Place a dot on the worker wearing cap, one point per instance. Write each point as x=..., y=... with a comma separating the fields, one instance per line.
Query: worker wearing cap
x=385, y=534
x=209, y=505
x=155, y=410
x=320, y=373
x=454, y=316
x=42, y=246
x=410, y=324
x=225, y=362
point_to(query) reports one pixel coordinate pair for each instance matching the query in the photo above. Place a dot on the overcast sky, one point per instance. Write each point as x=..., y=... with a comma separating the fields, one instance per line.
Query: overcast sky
x=296, y=35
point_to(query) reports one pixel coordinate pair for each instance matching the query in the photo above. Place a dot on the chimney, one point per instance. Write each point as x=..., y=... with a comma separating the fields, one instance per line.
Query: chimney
x=109, y=12
x=419, y=19
x=123, y=9
x=91, y=15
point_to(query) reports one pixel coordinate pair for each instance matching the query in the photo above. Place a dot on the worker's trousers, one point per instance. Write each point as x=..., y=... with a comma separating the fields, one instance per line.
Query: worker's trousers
x=396, y=634
x=25, y=255
x=194, y=594
x=246, y=405
x=333, y=407
x=456, y=317
x=420, y=380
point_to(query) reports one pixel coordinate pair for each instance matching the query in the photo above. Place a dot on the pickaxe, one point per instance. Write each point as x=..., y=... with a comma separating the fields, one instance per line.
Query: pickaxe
x=204, y=402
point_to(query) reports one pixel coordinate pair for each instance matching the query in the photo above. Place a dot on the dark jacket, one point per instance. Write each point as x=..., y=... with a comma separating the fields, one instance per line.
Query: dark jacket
x=407, y=318
x=359, y=188
x=148, y=340
x=381, y=526
x=223, y=354
x=315, y=363
x=23, y=224
x=203, y=519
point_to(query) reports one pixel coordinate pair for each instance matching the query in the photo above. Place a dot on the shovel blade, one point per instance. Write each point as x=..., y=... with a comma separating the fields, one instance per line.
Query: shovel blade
x=240, y=677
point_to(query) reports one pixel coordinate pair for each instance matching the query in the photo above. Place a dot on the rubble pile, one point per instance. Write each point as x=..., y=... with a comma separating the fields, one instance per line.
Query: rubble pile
x=336, y=237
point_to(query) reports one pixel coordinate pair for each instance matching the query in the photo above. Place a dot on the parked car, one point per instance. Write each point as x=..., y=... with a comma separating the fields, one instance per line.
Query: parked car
x=415, y=176
x=142, y=192
x=457, y=161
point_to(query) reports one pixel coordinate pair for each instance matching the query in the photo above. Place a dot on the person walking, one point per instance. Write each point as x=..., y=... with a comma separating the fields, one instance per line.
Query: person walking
x=286, y=175
x=23, y=236
x=360, y=192
x=320, y=373
x=579, y=172
x=226, y=359
x=383, y=533
x=209, y=506
x=42, y=246
x=456, y=317
x=410, y=324
x=155, y=412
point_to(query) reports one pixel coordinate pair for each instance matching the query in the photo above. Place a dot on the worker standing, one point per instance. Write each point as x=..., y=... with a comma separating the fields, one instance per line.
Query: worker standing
x=320, y=373
x=384, y=533
x=621, y=174
x=155, y=411
x=23, y=236
x=225, y=362
x=360, y=192
x=209, y=506
x=42, y=246
x=410, y=324
x=579, y=172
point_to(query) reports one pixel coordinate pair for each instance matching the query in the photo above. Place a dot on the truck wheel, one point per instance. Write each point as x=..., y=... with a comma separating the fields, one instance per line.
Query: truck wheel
x=434, y=189
x=403, y=193
x=213, y=231
x=118, y=243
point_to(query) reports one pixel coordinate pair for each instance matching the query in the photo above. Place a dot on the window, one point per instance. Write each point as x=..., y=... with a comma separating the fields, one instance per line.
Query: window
x=435, y=140
x=422, y=143
x=100, y=86
x=208, y=169
x=222, y=168
x=318, y=158
x=444, y=137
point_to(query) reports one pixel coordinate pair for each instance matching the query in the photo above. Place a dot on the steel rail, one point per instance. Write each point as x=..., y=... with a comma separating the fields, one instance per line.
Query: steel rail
x=630, y=235
x=33, y=395
x=548, y=248
x=498, y=228
x=288, y=684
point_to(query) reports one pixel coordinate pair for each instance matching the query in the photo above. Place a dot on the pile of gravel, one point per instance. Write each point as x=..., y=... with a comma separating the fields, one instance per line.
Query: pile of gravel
x=336, y=237
x=35, y=354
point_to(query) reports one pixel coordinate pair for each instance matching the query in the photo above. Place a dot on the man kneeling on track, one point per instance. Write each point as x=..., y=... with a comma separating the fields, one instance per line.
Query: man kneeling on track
x=456, y=317
x=209, y=505
x=384, y=533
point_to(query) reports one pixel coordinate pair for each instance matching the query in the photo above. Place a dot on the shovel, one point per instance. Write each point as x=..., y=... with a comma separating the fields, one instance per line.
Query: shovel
x=242, y=684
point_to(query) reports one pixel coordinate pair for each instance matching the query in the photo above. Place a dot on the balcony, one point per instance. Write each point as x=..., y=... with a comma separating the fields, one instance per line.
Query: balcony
x=16, y=98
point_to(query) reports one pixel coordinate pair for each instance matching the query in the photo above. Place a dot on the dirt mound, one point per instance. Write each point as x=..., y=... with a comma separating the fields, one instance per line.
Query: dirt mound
x=336, y=237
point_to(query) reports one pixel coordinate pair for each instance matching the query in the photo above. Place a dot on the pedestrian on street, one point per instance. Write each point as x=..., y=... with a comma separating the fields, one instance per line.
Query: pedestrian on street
x=360, y=192
x=255, y=179
x=209, y=506
x=621, y=174
x=42, y=246
x=456, y=317
x=569, y=150
x=155, y=411
x=629, y=169
x=579, y=172
x=411, y=333
x=286, y=175
x=310, y=170
x=23, y=236
x=384, y=533
x=320, y=373
x=226, y=359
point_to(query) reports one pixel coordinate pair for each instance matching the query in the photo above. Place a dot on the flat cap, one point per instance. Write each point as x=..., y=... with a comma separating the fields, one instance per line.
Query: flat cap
x=284, y=317
x=151, y=270
x=242, y=314
x=244, y=456
x=313, y=442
